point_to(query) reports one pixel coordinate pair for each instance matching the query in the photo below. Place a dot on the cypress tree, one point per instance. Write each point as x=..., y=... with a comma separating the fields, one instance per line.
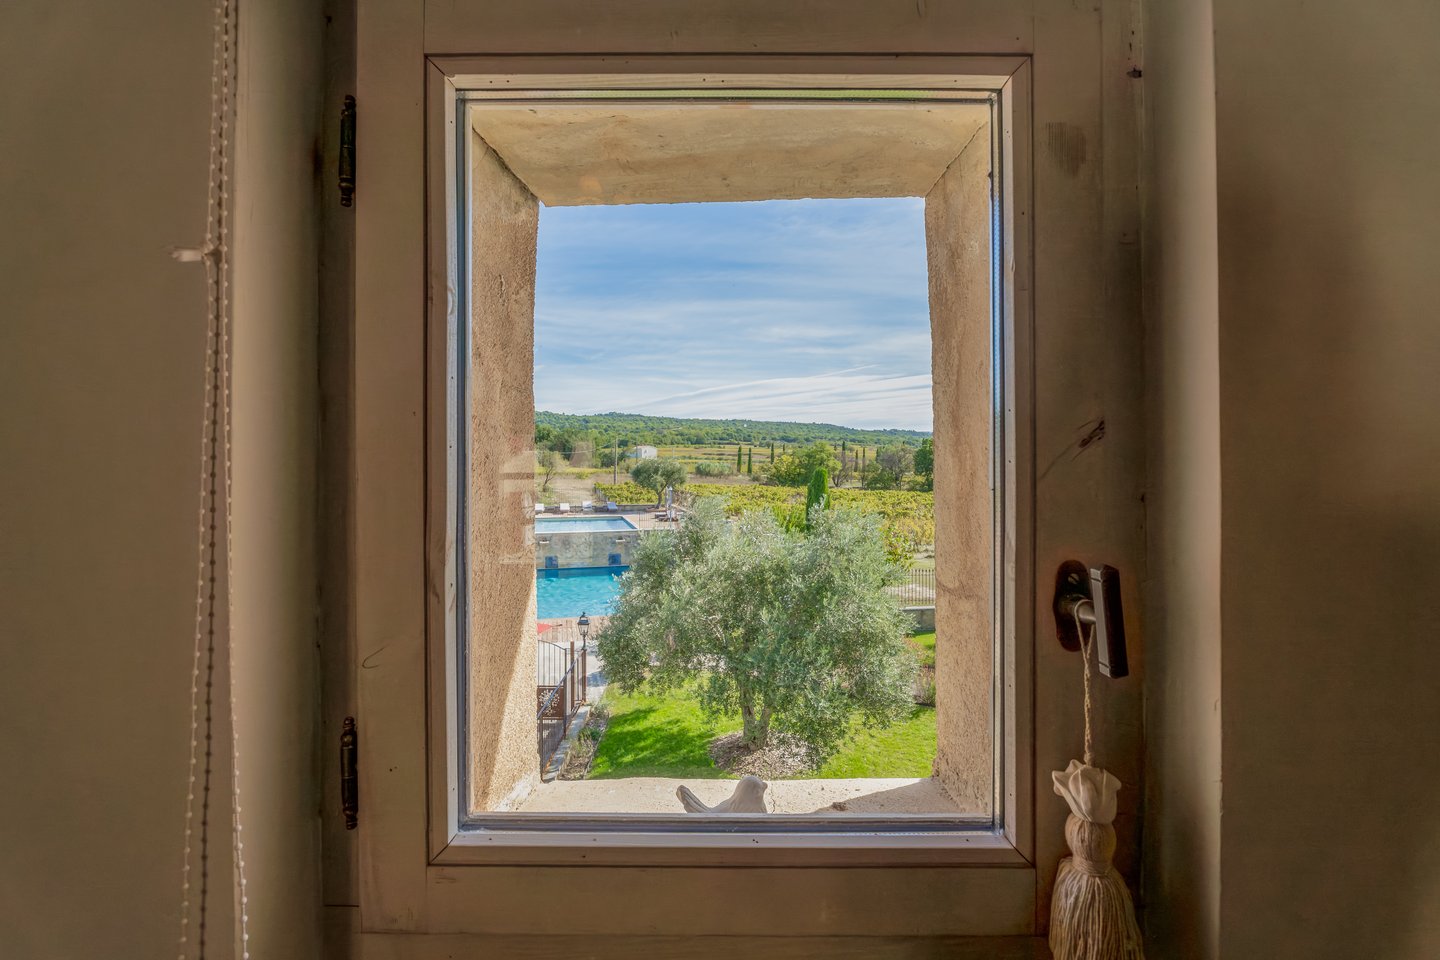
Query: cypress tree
x=818, y=493
x=737, y=459
x=772, y=451
x=750, y=460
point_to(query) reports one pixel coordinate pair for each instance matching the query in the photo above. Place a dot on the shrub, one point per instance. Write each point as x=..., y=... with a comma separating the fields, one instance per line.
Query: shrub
x=790, y=517
x=925, y=685
x=900, y=547
x=625, y=492
x=709, y=468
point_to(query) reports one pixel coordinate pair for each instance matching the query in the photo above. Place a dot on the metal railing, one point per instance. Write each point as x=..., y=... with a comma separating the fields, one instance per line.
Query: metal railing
x=917, y=590
x=560, y=688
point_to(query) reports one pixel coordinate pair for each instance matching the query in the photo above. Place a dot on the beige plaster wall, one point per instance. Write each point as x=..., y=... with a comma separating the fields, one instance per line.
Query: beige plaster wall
x=1182, y=595
x=101, y=349
x=505, y=219
x=1294, y=463
x=276, y=417
x=957, y=248
x=1329, y=348
x=101, y=352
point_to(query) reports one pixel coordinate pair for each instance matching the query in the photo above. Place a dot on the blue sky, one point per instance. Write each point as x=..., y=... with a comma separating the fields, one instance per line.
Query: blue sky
x=808, y=310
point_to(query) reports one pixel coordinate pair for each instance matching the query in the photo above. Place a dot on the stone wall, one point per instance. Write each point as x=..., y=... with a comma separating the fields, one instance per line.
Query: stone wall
x=590, y=548
x=957, y=239
x=502, y=468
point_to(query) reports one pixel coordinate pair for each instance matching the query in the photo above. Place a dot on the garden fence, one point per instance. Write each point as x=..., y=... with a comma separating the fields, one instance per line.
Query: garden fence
x=560, y=689
x=918, y=588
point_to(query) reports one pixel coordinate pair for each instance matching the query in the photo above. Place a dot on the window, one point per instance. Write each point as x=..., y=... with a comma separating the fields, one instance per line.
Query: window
x=427, y=762
x=518, y=689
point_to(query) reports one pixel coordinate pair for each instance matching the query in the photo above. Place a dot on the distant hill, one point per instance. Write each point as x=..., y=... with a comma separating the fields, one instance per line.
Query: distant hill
x=638, y=428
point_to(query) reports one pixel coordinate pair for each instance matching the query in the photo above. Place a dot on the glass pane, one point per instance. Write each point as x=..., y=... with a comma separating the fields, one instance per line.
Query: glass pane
x=709, y=525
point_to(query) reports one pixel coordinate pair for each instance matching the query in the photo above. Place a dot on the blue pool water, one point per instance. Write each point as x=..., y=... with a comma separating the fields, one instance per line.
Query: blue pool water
x=581, y=524
x=572, y=591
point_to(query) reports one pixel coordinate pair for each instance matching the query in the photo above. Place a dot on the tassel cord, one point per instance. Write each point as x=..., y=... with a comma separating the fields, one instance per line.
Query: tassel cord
x=1087, y=640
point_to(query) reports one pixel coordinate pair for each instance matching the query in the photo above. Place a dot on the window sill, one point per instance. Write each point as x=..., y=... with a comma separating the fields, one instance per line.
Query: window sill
x=729, y=892
x=689, y=947
x=891, y=846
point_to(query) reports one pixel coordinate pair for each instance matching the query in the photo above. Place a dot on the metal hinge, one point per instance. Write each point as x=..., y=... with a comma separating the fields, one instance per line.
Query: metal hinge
x=349, y=782
x=347, y=152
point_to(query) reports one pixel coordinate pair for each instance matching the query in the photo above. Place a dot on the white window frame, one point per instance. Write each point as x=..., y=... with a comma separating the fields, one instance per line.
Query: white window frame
x=420, y=870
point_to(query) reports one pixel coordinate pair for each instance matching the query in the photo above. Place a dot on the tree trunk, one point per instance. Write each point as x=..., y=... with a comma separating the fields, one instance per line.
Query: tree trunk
x=756, y=730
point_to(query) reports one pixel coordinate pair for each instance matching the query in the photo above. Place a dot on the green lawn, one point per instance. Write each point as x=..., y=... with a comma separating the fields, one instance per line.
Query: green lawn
x=926, y=643
x=651, y=736
x=904, y=749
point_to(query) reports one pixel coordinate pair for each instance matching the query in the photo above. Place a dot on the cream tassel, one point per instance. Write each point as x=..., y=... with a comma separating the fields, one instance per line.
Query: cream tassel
x=1091, y=914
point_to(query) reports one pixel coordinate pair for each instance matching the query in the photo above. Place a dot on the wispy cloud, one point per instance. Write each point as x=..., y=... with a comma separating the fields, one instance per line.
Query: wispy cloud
x=753, y=384
x=782, y=310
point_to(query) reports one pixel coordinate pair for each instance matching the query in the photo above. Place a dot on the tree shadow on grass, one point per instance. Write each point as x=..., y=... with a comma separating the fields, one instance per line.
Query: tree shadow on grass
x=669, y=735
x=662, y=739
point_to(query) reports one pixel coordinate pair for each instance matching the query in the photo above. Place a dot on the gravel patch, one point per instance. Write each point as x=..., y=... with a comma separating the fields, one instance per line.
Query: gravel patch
x=785, y=756
x=586, y=744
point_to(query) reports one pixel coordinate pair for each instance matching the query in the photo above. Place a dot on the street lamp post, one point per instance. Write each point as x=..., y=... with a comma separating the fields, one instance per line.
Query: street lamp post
x=584, y=624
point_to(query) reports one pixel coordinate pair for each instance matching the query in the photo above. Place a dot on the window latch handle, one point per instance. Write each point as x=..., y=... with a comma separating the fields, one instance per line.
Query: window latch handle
x=1091, y=597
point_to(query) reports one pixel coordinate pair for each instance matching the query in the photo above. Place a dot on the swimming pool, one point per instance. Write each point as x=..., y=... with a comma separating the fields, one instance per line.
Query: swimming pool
x=569, y=592
x=549, y=525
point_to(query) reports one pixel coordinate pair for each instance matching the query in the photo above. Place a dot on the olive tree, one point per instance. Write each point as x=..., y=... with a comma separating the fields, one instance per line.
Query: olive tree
x=793, y=631
x=657, y=475
x=896, y=458
x=548, y=463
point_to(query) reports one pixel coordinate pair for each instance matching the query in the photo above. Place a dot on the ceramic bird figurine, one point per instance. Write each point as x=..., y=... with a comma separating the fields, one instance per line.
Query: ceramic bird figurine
x=749, y=797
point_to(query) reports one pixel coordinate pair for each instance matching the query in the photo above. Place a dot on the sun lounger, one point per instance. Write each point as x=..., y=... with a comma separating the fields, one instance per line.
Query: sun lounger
x=587, y=506
x=539, y=508
x=612, y=507
x=564, y=508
